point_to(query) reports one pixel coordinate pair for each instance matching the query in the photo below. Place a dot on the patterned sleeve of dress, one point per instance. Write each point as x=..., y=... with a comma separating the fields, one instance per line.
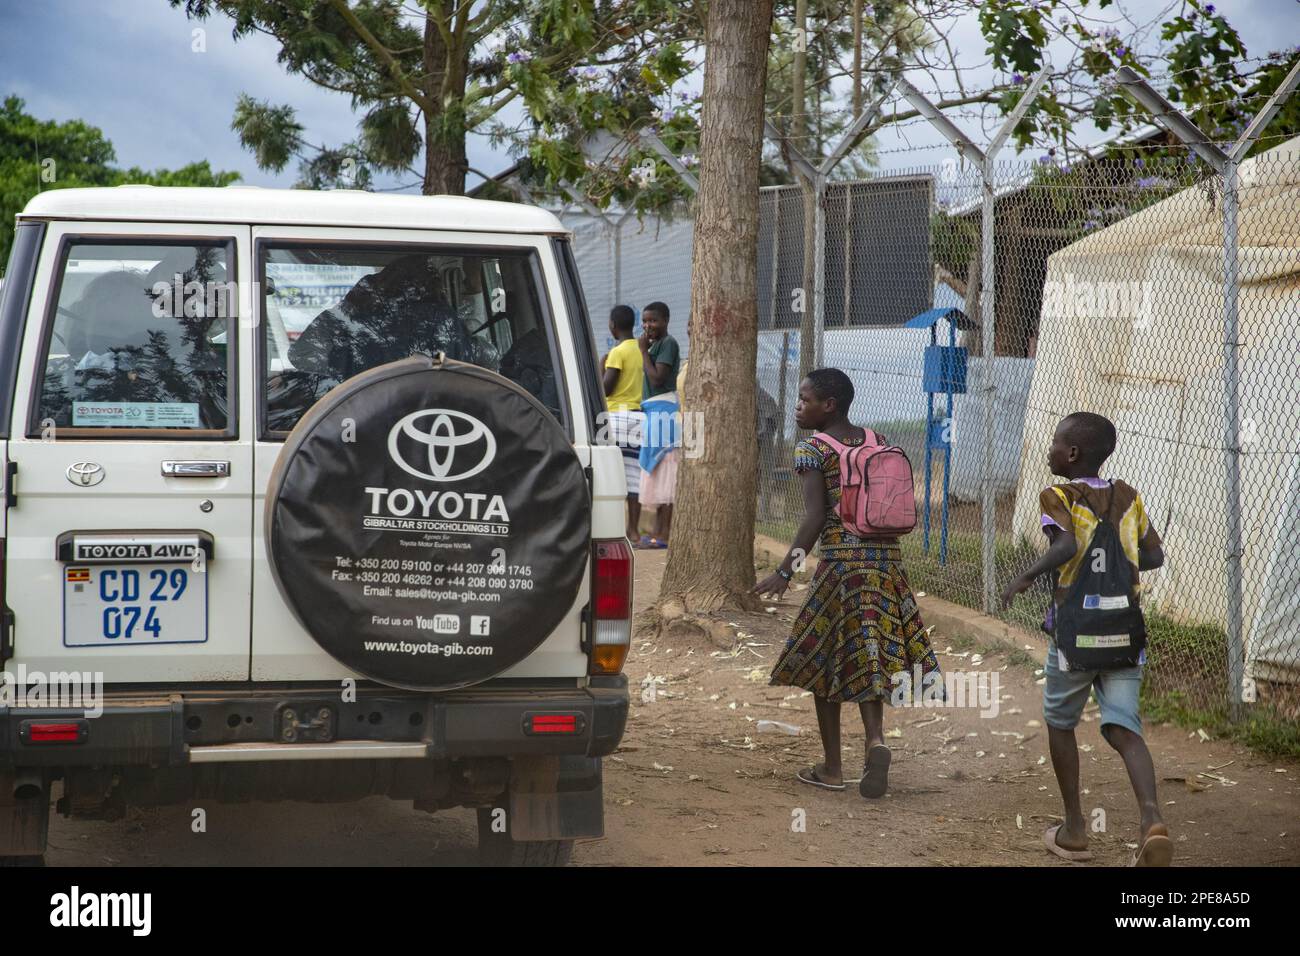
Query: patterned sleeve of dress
x=806, y=457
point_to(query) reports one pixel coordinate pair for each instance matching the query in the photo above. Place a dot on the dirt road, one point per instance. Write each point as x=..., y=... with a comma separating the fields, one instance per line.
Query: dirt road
x=697, y=783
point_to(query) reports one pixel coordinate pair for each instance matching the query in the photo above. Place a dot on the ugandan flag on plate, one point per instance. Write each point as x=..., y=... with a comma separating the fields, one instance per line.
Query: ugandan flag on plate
x=78, y=575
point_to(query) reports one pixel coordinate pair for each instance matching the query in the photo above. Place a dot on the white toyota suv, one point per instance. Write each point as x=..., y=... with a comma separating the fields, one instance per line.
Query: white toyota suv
x=304, y=499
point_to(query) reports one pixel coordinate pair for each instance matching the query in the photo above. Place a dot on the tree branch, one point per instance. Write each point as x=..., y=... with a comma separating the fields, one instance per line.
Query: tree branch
x=384, y=54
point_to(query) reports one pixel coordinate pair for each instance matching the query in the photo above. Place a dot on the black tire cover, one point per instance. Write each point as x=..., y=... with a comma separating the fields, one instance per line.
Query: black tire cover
x=428, y=522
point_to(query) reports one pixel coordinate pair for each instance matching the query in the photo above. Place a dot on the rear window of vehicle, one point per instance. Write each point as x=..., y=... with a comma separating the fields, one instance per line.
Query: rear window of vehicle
x=332, y=311
x=140, y=338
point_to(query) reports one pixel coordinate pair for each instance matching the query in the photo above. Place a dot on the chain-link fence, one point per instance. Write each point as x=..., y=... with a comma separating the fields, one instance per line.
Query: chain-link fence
x=1109, y=296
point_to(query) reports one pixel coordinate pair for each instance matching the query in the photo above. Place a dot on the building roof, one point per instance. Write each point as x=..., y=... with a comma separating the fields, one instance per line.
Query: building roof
x=299, y=207
x=1117, y=139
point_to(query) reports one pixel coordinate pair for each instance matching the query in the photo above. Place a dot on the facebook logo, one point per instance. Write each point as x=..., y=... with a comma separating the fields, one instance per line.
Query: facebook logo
x=479, y=625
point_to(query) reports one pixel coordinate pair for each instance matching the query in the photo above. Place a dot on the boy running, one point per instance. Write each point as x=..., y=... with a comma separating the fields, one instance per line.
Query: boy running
x=1071, y=513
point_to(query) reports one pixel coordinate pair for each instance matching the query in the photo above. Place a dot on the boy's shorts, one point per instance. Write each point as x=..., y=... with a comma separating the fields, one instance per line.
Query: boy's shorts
x=625, y=431
x=1065, y=694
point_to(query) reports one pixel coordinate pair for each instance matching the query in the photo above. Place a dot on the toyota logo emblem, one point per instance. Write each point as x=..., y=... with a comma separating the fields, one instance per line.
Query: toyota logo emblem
x=85, y=473
x=448, y=433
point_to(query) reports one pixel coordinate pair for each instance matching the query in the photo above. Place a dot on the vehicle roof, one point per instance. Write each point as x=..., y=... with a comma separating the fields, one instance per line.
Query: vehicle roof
x=298, y=207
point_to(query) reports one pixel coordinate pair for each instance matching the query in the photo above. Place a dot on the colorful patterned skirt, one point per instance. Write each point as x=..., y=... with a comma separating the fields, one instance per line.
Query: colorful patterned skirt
x=859, y=626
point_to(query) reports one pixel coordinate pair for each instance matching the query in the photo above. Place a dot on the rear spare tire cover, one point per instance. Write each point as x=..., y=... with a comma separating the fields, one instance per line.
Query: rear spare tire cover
x=428, y=522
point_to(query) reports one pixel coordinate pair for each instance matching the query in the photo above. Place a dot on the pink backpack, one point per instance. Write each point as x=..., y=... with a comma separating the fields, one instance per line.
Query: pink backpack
x=876, y=494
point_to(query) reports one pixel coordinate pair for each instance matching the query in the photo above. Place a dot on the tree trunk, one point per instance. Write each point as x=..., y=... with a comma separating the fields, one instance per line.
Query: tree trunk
x=445, y=69
x=857, y=58
x=711, y=561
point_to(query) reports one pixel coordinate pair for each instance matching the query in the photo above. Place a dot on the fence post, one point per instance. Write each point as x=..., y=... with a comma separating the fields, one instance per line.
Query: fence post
x=819, y=270
x=1232, y=450
x=988, y=500
x=848, y=257
x=984, y=158
x=774, y=286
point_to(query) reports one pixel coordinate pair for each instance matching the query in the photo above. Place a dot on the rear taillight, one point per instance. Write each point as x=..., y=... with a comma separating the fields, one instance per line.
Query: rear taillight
x=53, y=731
x=566, y=723
x=611, y=602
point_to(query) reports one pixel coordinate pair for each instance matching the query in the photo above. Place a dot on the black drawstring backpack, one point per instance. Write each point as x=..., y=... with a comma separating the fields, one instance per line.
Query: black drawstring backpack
x=1099, y=625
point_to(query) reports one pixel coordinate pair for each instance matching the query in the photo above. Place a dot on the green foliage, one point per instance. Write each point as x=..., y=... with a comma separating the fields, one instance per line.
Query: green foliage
x=1203, y=67
x=36, y=155
x=427, y=76
x=591, y=74
x=270, y=132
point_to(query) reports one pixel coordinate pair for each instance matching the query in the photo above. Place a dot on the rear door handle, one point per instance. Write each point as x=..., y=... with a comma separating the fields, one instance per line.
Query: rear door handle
x=196, y=469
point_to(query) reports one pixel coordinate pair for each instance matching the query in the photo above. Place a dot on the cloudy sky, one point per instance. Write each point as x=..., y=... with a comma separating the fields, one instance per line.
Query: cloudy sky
x=128, y=67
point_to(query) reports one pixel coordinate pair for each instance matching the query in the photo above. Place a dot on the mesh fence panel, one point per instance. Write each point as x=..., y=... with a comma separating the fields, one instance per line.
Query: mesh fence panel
x=1109, y=296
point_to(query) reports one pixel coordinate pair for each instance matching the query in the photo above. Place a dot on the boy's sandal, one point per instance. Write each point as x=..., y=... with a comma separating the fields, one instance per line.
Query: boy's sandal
x=875, y=775
x=1156, y=849
x=1074, y=856
x=809, y=776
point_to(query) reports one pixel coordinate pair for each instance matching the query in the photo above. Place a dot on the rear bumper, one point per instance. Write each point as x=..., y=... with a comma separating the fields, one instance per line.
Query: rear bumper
x=143, y=728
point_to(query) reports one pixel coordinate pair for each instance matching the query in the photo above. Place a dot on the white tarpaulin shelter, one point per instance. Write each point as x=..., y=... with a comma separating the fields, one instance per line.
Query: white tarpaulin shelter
x=1132, y=328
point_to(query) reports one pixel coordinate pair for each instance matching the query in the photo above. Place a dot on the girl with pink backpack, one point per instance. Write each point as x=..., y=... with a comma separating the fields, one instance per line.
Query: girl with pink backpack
x=859, y=625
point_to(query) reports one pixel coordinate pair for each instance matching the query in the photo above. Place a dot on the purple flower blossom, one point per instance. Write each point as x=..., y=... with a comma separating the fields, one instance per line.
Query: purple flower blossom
x=1017, y=78
x=1044, y=160
x=1146, y=182
x=1121, y=51
x=1090, y=224
x=518, y=56
x=1209, y=9
x=1138, y=162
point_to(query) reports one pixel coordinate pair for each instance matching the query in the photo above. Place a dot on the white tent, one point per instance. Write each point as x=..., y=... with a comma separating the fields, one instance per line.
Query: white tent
x=1132, y=328
x=1272, y=654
